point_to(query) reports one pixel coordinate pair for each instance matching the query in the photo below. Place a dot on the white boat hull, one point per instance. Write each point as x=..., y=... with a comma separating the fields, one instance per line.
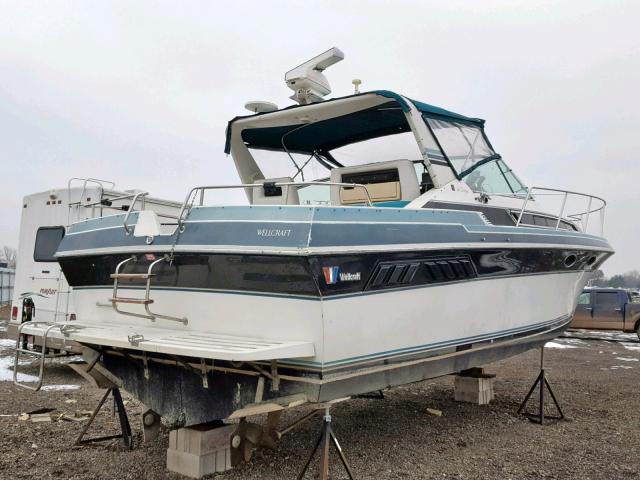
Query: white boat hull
x=356, y=329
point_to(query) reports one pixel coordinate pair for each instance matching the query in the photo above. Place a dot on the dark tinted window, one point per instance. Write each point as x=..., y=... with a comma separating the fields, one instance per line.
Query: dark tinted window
x=607, y=298
x=260, y=273
x=378, y=176
x=47, y=241
x=541, y=221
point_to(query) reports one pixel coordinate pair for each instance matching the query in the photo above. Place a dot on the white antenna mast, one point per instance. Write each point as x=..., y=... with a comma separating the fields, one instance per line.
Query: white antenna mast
x=356, y=85
x=307, y=80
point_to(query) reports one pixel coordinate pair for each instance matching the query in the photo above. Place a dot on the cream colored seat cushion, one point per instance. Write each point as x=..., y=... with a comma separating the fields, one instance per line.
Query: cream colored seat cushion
x=396, y=180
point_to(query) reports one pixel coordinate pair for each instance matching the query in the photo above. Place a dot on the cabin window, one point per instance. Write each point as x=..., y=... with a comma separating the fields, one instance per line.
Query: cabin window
x=584, y=298
x=542, y=221
x=47, y=241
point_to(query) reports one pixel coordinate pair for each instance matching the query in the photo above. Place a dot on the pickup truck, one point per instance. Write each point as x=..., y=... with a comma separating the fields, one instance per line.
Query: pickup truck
x=607, y=309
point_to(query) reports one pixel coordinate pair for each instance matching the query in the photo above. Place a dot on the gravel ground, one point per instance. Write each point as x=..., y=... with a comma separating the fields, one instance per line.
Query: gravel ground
x=597, y=382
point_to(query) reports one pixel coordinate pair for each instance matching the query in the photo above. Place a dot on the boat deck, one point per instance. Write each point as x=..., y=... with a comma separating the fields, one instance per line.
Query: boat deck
x=170, y=341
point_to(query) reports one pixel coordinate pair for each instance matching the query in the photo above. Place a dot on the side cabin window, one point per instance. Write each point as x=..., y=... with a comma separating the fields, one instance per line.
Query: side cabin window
x=531, y=219
x=47, y=241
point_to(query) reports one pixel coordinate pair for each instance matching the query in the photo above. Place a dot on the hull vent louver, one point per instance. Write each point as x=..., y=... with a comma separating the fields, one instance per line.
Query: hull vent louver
x=421, y=271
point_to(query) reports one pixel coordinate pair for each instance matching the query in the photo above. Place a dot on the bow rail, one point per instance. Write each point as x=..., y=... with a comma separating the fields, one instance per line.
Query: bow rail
x=591, y=206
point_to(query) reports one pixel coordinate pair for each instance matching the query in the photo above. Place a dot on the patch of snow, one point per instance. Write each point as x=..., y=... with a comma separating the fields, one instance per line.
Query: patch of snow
x=631, y=346
x=6, y=374
x=558, y=345
x=60, y=387
x=625, y=359
x=603, y=335
x=625, y=367
x=7, y=343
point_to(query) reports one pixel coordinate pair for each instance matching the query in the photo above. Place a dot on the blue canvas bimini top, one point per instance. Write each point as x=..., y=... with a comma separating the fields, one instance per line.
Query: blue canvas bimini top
x=326, y=135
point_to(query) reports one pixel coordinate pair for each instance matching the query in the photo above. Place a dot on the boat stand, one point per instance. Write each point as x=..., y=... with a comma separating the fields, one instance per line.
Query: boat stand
x=542, y=382
x=118, y=404
x=326, y=438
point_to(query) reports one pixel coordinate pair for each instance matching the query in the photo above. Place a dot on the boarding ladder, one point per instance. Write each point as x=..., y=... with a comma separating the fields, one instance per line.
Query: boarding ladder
x=146, y=301
x=42, y=354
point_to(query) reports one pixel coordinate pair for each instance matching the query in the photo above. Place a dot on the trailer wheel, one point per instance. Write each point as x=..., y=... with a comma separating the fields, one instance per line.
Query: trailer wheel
x=638, y=330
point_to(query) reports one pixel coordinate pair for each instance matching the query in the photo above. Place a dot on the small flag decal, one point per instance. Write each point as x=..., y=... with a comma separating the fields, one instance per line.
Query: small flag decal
x=330, y=275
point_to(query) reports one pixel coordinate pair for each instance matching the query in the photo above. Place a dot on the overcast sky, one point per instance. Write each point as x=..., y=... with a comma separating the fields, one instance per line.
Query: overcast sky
x=140, y=92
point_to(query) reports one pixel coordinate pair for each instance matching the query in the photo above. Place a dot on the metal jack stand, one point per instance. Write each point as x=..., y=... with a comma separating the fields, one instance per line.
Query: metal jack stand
x=126, y=436
x=542, y=382
x=326, y=438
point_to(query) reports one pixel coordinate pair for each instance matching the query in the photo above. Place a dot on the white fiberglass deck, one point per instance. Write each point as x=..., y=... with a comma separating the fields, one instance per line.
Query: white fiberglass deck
x=188, y=343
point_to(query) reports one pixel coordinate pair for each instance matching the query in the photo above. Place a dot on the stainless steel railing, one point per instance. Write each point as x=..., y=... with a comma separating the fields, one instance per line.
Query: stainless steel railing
x=193, y=193
x=583, y=214
x=97, y=181
x=128, y=230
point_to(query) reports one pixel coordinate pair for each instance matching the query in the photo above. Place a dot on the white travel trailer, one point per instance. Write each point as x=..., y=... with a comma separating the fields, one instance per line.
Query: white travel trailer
x=41, y=292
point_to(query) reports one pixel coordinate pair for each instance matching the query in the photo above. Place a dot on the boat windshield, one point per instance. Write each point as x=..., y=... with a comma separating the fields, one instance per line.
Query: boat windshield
x=494, y=177
x=472, y=157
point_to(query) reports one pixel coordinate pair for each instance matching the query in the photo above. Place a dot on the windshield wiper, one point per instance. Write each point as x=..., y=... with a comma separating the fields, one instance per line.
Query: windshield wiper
x=484, y=161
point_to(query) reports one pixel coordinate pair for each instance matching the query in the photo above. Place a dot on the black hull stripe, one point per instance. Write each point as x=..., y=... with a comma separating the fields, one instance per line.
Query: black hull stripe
x=328, y=276
x=316, y=298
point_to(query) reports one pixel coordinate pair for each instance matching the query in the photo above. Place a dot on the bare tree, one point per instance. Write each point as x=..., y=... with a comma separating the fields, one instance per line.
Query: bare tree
x=598, y=279
x=10, y=255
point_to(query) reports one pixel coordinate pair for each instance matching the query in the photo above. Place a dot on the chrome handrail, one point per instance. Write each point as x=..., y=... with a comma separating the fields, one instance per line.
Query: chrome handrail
x=582, y=217
x=202, y=189
x=117, y=199
x=99, y=202
x=97, y=181
x=128, y=230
